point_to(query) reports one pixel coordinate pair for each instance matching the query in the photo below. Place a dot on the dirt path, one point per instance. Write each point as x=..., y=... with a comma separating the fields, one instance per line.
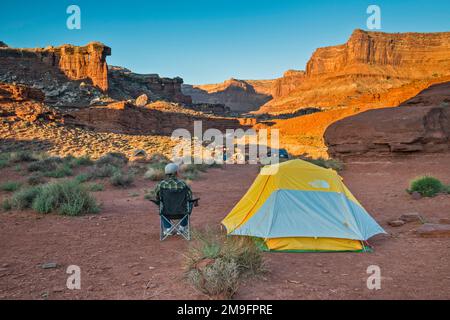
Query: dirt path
x=121, y=257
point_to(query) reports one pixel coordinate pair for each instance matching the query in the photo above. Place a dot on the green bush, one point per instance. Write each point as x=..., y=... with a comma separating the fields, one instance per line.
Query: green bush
x=21, y=156
x=113, y=158
x=95, y=187
x=104, y=171
x=61, y=171
x=427, y=186
x=35, y=179
x=82, y=161
x=120, y=179
x=4, y=163
x=83, y=177
x=23, y=199
x=10, y=186
x=45, y=165
x=6, y=205
x=65, y=197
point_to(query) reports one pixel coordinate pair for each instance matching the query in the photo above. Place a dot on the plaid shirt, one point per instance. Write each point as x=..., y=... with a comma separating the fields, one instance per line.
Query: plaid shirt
x=172, y=183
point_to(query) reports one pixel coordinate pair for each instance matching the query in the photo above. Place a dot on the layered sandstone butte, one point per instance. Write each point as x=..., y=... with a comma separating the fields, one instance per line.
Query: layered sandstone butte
x=80, y=63
x=421, y=124
x=372, y=69
x=238, y=95
x=76, y=63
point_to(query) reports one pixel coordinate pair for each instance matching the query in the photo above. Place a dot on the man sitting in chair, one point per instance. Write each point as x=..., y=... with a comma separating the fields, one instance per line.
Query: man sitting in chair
x=171, y=182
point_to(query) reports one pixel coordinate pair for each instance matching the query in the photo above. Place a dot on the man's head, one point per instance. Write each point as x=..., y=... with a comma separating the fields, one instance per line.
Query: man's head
x=171, y=169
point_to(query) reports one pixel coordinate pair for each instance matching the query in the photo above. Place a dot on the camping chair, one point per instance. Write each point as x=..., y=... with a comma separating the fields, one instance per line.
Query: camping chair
x=174, y=208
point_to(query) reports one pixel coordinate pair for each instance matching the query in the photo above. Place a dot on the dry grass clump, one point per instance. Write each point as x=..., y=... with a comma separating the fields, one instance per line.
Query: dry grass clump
x=215, y=263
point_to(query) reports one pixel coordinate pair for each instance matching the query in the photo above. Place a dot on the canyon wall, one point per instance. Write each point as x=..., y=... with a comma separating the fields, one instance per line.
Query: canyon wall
x=238, y=95
x=123, y=117
x=365, y=70
x=86, y=63
x=79, y=76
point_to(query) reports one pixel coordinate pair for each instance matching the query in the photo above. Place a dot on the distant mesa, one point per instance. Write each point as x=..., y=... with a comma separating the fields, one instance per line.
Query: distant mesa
x=238, y=95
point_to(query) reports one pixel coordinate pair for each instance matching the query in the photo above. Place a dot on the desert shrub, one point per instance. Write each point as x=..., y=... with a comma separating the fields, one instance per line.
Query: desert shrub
x=104, y=171
x=83, y=177
x=10, y=186
x=61, y=171
x=95, y=187
x=427, y=186
x=35, y=179
x=65, y=197
x=216, y=263
x=78, y=162
x=447, y=189
x=154, y=174
x=6, y=205
x=17, y=168
x=45, y=165
x=113, y=158
x=325, y=163
x=191, y=171
x=218, y=280
x=24, y=198
x=159, y=158
x=21, y=156
x=121, y=179
x=4, y=163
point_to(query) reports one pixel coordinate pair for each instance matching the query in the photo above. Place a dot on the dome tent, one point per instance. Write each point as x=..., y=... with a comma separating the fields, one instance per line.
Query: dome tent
x=297, y=206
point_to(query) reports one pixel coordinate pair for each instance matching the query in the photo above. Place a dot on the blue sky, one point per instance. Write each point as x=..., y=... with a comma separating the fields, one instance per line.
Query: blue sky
x=208, y=41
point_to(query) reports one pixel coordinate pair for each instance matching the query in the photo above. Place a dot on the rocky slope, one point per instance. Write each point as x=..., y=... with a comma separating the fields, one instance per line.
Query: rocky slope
x=421, y=124
x=238, y=95
x=79, y=76
x=365, y=71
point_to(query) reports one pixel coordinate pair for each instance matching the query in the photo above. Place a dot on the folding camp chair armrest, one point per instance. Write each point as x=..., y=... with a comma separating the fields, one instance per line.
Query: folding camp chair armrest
x=157, y=202
x=194, y=202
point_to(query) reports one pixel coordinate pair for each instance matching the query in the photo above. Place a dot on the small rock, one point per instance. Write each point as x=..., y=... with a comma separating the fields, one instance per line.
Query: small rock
x=49, y=265
x=325, y=271
x=444, y=221
x=58, y=289
x=5, y=265
x=136, y=274
x=416, y=195
x=396, y=223
x=411, y=217
x=432, y=230
x=142, y=100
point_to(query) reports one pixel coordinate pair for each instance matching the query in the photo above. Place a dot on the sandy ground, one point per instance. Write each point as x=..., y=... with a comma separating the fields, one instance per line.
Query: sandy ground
x=121, y=257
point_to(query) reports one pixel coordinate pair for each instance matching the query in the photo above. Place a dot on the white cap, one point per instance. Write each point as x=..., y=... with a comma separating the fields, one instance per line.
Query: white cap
x=171, y=168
